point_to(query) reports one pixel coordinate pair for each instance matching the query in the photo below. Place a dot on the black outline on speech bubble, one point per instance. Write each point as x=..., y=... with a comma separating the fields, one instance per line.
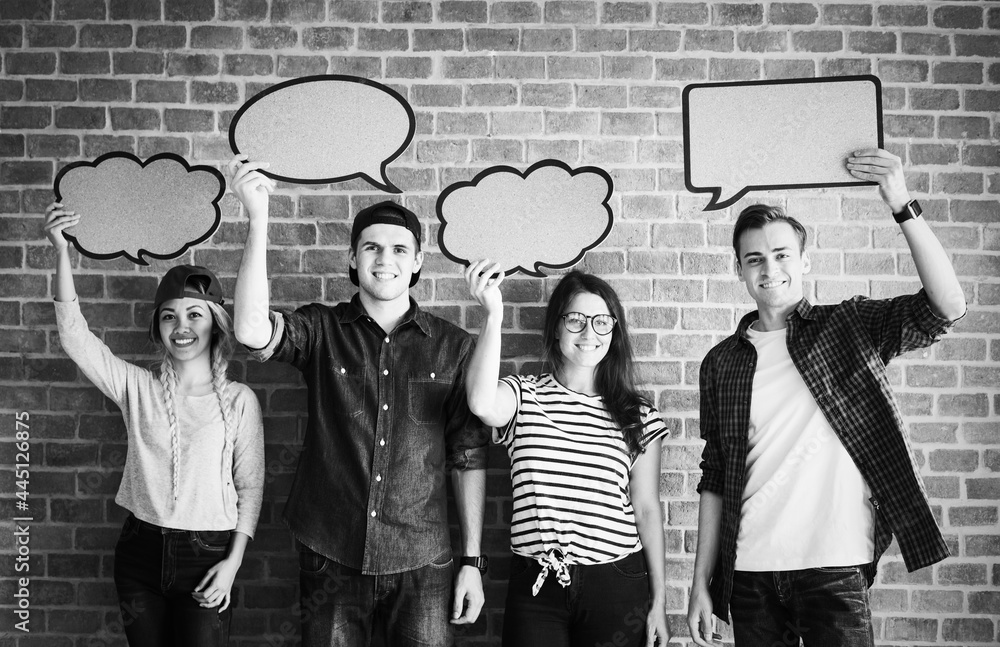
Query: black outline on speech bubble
x=142, y=254
x=524, y=175
x=717, y=191
x=388, y=187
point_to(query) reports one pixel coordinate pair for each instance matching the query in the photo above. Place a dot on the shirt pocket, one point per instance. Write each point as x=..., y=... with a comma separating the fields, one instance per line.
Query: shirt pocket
x=427, y=394
x=348, y=389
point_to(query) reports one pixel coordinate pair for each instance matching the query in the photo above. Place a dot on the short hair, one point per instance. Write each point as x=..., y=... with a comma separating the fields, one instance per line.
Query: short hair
x=757, y=215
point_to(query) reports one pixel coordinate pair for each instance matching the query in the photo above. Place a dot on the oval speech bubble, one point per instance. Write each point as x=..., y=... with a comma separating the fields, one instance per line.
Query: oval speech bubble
x=323, y=129
x=790, y=134
x=158, y=208
x=549, y=215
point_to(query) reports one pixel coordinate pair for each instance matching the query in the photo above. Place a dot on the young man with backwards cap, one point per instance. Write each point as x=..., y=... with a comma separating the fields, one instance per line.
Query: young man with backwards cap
x=387, y=417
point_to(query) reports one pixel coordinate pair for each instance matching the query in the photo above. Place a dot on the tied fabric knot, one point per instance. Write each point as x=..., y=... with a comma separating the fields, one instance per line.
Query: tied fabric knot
x=555, y=562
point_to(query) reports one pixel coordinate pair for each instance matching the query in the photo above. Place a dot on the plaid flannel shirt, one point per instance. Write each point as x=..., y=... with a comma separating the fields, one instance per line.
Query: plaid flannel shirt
x=841, y=352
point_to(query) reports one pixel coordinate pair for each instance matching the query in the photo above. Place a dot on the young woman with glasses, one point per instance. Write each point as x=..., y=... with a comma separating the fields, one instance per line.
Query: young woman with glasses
x=584, y=445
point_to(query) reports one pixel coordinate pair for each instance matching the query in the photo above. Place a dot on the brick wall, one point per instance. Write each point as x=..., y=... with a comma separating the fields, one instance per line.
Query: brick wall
x=509, y=82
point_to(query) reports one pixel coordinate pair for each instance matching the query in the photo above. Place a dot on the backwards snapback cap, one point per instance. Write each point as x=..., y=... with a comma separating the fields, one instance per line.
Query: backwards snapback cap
x=385, y=213
x=174, y=283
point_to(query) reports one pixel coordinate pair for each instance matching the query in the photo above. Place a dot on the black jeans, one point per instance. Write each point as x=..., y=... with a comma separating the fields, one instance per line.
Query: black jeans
x=156, y=569
x=342, y=606
x=604, y=604
x=824, y=607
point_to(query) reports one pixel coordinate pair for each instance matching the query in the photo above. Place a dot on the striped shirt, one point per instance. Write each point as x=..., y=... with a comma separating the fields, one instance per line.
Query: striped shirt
x=570, y=473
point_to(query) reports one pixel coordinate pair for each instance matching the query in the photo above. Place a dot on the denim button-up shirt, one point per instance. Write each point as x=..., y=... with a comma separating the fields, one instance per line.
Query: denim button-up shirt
x=841, y=352
x=387, y=417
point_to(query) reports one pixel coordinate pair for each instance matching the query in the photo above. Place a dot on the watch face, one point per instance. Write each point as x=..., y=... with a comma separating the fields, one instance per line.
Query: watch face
x=914, y=208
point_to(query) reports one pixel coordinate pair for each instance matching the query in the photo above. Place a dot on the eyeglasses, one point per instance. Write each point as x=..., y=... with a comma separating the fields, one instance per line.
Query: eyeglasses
x=577, y=321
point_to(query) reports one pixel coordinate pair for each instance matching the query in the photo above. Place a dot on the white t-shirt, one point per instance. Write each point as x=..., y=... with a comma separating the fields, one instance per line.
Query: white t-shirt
x=805, y=504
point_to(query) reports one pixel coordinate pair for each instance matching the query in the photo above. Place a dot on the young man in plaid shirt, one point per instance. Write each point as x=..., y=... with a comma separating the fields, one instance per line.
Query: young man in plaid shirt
x=807, y=472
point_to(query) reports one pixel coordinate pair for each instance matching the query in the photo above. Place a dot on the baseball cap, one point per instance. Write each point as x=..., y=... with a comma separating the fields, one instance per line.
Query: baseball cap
x=174, y=283
x=385, y=213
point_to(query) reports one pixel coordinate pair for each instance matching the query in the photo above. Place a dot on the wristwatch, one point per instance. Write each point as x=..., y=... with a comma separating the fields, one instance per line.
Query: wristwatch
x=910, y=211
x=482, y=562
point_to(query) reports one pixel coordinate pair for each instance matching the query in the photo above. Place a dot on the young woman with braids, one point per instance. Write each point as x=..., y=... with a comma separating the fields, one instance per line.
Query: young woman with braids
x=584, y=446
x=194, y=474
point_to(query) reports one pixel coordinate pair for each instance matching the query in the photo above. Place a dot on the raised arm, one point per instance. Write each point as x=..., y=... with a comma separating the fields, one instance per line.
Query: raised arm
x=56, y=220
x=252, y=323
x=933, y=266
x=490, y=401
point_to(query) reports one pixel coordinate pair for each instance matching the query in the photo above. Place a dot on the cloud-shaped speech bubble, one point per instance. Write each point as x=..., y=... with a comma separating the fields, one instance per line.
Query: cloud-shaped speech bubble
x=157, y=208
x=323, y=129
x=789, y=134
x=549, y=215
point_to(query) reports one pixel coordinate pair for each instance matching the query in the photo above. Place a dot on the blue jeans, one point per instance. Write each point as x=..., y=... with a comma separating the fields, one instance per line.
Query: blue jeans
x=824, y=607
x=604, y=605
x=341, y=606
x=156, y=569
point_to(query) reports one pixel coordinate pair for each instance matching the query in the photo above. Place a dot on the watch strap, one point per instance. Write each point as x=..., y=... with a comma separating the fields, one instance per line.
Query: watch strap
x=910, y=211
x=481, y=562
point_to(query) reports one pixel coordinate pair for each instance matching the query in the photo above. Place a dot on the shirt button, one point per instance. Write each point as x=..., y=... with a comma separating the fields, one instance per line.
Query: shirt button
x=432, y=376
x=385, y=372
x=378, y=478
x=382, y=442
x=373, y=513
x=385, y=407
x=387, y=340
x=343, y=370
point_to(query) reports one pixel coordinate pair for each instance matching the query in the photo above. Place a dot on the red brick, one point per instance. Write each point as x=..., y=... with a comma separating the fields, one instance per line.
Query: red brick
x=25, y=173
x=983, y=602
x=911, y=629
x=982, y=100
x=106, y=36
x=627, y=12
x=516, y=12
x=60, y=146
x=30, y=62
x=958, y=183
x=80, y=9
x=908, y=126
x=145, y=63
x=972, y=516
x=382, y=40
x=963, y=73
x=762, y=41
x=933, y=99
x=408, y=12
x=714, y=40
x=681, y=69
x=134, y=10
x=547, y=40
x=188, y=10
x=42, y=35
x=789, y=69
x=27, y=10
x=958, y=17
x=271, y=37
x=724, y=69
x=601, y=40
x=983, y=488
x=938, y=601
x=78, y=117
x=853, y=67
x=576, y=12
x=981, y=155
x=858, y=15
x=11, y=36
x=745, y=15
x=298, y=11
x=920, y=44
x=462, y=11
x=682, y=13
x=975, y=211
x=50, y=90
x=901, y=15
x=817, y=41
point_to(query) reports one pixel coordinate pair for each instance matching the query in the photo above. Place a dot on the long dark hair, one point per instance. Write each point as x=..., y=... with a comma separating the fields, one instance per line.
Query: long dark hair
x=615, y=375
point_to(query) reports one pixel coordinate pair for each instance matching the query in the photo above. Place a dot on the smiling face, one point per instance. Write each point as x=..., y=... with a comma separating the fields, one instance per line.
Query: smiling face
x=385, y=258
x=185, y=327
x=771, y=265
x=584, y=349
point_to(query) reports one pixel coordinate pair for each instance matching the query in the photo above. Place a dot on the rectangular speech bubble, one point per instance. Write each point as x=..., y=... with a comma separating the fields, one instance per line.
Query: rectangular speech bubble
x=788, y=134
